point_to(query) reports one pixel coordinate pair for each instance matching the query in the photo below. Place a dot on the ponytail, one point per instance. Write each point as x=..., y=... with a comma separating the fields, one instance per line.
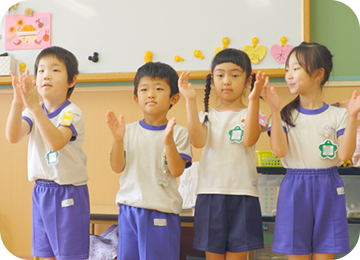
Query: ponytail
x=286, y=111
x=207, y=96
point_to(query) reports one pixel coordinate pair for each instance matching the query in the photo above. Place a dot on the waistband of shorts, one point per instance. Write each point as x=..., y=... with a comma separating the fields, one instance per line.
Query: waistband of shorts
x=312, y=172
x=46, y=183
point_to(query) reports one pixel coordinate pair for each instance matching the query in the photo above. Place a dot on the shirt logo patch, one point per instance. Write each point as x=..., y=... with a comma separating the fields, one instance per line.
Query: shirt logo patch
x=66, y=120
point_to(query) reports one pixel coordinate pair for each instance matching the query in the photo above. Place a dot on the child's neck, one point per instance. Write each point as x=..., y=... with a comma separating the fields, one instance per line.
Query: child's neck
x=311, y=101
x=52, y=106
x=230, y=105
x=155, y=120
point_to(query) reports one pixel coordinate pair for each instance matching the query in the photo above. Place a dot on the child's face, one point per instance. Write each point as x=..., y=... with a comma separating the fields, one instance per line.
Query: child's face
x=230, y=81
x=298, y=80
x=52, y=79
x=153, y=96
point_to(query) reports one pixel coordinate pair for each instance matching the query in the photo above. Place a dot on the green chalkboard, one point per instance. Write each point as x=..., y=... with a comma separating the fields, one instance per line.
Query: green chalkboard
x=336, y=26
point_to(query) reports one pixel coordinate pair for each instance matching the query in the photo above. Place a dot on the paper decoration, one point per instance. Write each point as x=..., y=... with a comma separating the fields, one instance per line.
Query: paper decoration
x=280, y=53
x=27, y=32
x=256, y=52
x=225, y=41
x=198, y=54
x=148, y=56
x=217, y=50
x=177, y=58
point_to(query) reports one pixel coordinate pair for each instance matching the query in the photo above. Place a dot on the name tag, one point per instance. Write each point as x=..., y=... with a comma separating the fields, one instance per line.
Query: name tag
x=161, y=222
x=67, y=203
x=340, y=191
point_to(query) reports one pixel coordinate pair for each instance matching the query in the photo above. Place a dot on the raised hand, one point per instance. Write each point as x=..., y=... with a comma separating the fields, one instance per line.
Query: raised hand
x=354, y=104
x=272, y=98
x=29, y=93
x=117, y=127
x=16, y=83
x=185, y=87
x=168, y=133
x=261, y=80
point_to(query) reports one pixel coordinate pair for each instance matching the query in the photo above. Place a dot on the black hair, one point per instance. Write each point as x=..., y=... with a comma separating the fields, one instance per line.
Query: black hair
x=158, y=70
x=235, y=56
x=311, y=57
x=64, y=56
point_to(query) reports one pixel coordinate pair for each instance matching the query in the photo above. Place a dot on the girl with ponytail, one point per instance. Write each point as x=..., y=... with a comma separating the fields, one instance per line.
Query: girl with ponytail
x=313, y=139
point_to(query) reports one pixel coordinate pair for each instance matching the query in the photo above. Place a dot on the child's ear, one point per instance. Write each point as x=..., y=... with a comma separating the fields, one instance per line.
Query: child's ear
x=174, y=98
x=73, y=82
x=318, y=74
x=136, y=100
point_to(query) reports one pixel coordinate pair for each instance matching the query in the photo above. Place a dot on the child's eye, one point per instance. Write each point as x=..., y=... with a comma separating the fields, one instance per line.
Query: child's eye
x=219, y=75
x=235, y=75
x=56, y=70
x=39, y=71
x=159, y=88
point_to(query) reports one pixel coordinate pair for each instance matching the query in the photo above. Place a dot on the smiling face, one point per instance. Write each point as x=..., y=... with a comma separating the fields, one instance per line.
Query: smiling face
x=153, y=96
x=298, y=80
x=230, y=80
x=52, y=80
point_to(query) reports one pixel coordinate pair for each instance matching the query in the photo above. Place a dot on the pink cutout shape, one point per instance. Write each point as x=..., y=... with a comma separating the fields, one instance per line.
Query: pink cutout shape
x=280, y=53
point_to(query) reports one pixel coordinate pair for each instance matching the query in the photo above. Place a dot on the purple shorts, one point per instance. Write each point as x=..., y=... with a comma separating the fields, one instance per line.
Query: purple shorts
x=311, y=213
x=148, y=234
x=61, y=221
x=227, y=223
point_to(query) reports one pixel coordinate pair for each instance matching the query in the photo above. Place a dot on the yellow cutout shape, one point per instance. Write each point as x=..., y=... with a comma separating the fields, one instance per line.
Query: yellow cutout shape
x=217, y=50
x=148, y=56
x=255, y=54
x=66, y=120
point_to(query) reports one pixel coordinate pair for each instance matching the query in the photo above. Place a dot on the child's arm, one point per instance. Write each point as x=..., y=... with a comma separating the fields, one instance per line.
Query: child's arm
x=56, y=138
x=117, y=129
x=347, y=142
x=16, y=127
x=197, y=130
x=278, y=138
x=175, y=163
x=252, y=129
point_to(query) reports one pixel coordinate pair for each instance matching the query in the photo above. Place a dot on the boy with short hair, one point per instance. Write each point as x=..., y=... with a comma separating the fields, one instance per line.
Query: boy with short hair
x=56, y=161
x=151, y=153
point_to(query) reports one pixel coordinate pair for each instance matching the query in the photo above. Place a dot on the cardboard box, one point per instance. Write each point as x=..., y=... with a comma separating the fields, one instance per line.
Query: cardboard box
x=7, y=64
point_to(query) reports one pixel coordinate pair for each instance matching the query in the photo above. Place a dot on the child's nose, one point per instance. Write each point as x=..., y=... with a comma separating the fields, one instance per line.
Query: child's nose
x=151, y=94
x=46, y=76
x=226, y=80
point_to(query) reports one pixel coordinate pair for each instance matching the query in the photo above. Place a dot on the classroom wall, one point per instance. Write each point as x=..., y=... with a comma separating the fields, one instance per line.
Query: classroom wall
x=15, y=189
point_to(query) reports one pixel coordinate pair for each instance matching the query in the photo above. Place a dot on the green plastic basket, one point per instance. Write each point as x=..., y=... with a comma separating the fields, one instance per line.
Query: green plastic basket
x=268, y=159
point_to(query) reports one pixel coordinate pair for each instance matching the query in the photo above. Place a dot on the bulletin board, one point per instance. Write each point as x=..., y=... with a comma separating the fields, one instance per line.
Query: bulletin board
x=122, y=31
